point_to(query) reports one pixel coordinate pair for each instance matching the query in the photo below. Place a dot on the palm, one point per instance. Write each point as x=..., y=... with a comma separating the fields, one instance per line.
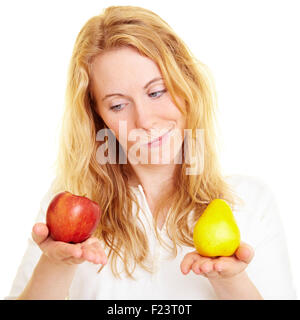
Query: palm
x=88, y=250
x=219, y=267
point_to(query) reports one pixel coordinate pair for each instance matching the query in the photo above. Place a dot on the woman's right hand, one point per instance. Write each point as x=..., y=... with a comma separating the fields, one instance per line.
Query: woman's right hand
x=68, y=253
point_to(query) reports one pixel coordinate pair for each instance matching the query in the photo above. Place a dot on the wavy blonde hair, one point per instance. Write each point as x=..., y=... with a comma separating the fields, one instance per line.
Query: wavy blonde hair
x=76, y=167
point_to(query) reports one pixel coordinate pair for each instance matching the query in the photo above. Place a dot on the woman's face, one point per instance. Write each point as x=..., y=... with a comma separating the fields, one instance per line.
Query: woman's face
x=133, y=102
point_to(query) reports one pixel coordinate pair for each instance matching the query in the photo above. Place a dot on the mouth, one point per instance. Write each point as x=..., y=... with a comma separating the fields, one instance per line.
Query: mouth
x=159, y=140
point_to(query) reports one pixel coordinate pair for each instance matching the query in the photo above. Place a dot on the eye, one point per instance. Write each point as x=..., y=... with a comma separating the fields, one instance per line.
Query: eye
x=116, y=108
x=157, y=94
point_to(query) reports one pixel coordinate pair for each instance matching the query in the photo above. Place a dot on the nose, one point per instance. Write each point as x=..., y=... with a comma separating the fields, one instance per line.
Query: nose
x=144, y=115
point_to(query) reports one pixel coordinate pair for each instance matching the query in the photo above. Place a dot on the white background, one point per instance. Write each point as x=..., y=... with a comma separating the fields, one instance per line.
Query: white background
x=252, y=48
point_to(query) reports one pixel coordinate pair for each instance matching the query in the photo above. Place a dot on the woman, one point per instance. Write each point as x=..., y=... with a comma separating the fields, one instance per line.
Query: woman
x=131, y=75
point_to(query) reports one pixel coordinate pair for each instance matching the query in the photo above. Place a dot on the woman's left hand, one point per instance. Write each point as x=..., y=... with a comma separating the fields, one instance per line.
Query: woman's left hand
x=218, y=267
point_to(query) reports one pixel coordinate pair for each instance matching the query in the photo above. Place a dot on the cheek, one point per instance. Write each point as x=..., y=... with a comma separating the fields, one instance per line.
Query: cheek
x=175, y=114
x=110, y=122
x=173, y=110
x=121, y=130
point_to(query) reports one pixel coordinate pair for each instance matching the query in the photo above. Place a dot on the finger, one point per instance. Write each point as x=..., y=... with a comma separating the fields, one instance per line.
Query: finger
x=72, y=261
x=88, y=255
x=39, y=233
x=75, y=256
x=93, y=251
x=188, y=260
x=67, y=250
x=91, y=240
x=244, y=252
x=220, y=263
x=93, y=257
x=100, y=255
x=206, y=267
x=229, y=268
x=196, y=267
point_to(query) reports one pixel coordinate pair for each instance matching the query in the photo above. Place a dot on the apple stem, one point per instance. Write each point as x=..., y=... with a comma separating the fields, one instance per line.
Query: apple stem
x=84, y=195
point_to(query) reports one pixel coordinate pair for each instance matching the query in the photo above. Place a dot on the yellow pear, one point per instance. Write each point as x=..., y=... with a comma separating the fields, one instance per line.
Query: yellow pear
x=216, y=232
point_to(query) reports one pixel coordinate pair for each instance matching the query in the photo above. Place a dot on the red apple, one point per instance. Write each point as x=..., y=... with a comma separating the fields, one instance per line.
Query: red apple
x=72, y=218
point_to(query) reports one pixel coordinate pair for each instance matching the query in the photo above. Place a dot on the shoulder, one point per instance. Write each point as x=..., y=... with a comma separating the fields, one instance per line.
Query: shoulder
x=259, y=203
x=258, y=216
x=253, y=190
x=246, y=183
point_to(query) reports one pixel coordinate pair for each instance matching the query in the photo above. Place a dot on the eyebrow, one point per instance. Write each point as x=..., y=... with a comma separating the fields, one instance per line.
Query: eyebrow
x=123, y=95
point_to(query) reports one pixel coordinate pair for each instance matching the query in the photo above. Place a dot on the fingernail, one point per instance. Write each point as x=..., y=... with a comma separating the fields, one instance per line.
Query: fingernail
x=219, y=268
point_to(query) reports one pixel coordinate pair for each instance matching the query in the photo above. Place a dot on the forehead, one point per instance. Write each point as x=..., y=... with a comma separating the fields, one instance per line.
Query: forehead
x=122, y=68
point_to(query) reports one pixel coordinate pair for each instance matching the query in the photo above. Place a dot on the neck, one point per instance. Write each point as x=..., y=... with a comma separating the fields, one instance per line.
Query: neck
x=154, y=179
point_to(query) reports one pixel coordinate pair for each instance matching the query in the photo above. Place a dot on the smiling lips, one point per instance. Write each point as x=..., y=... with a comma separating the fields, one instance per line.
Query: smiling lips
x=158, y=141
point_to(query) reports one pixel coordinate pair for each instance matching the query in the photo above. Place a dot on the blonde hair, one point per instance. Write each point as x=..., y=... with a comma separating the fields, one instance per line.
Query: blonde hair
x=76, y=167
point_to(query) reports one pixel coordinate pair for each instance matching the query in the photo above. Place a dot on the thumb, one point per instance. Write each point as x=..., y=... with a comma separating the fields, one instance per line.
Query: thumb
x=40, y=233
x=244, y=252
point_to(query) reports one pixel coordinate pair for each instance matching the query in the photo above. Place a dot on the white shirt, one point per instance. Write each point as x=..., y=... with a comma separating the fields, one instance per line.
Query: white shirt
x=260, y=226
